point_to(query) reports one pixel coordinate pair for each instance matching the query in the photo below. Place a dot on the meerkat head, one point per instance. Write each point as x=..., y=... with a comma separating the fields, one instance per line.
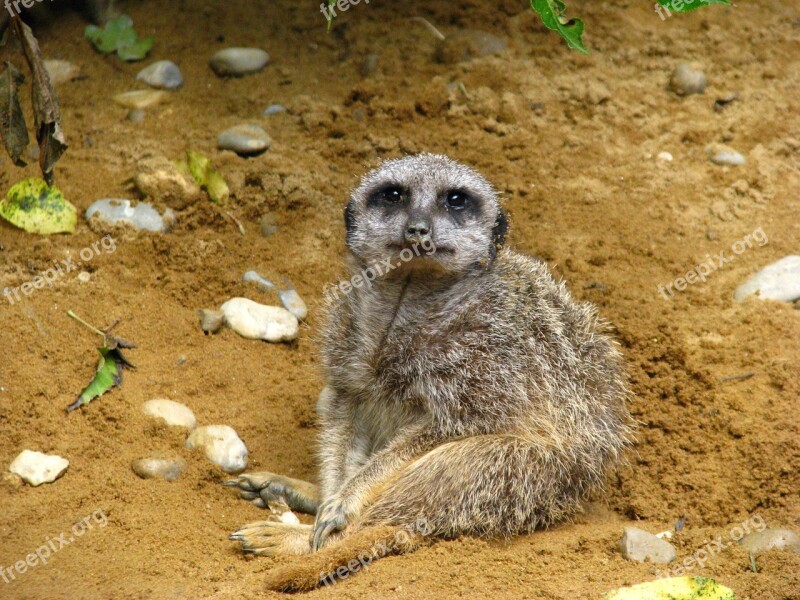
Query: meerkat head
x=428, y=206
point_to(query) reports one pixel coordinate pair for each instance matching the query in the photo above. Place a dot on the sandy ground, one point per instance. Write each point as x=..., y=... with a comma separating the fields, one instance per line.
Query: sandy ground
x=571, y=141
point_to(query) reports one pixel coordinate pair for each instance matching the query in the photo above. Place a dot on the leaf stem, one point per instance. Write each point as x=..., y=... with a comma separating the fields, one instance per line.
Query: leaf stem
x=82, y=322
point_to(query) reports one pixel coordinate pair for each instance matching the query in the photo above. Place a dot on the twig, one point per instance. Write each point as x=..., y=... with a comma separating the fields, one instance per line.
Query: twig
x=235, y=220
x=737, y=377
x=429, y=26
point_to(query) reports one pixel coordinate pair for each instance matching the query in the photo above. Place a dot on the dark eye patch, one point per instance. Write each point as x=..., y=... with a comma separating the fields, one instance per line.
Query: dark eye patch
x=390, y=195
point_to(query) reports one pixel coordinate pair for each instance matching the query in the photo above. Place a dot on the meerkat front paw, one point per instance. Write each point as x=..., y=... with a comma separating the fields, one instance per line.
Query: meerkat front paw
x=266, y=489
x=332, y=516
x=274, y=538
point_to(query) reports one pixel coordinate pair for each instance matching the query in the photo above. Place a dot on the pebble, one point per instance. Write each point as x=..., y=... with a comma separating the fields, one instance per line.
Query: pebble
x=467, y=45
x=211, y=321
x=771, y=539
x=269, y=225
x=171, y=412
x=221, y=445
x=778, y=281
x=637, y=544
x=727, y=157
x=37, y=468
x=159, y=178
x=245, y=140
x=164, y=74
x=140, y=98
x=290, y=299
x=370, y=65
x=289, y=518
x=61, y=71
x=235, y=62
x=136, y=115
x=259, y=322
x=84, y=277
x=142, y=216
x=158, y=468
x=665, y=156
x=274, y=109
x=688, y=79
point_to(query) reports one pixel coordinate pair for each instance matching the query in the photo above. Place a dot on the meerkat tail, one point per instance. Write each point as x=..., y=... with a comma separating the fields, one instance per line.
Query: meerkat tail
x=353, y=553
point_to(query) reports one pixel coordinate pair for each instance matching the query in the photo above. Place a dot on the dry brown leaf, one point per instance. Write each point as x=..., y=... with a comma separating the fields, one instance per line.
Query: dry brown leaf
x=13, y=130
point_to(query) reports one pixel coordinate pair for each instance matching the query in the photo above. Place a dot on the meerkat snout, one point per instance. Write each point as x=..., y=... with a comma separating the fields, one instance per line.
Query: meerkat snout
x=428, y=201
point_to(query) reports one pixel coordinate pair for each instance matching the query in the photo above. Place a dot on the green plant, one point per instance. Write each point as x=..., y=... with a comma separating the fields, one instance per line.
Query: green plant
x=119, y=36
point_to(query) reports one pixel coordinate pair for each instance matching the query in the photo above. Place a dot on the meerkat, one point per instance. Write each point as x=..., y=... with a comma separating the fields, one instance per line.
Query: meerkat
x=465, y=388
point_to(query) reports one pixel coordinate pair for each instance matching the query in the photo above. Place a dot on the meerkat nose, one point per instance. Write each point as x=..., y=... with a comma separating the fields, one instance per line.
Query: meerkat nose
x=418, y=229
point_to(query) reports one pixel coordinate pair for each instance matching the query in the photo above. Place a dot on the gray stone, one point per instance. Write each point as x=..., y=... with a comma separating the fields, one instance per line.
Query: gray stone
x=727, y=157
x=245, y=140
x=164, y=74
x=778, y=281
x=158, y=468
x=688, y=79
x=468, y=45
x=235, y=62
x=274, y=109
x=771, y=539
x=637, y=544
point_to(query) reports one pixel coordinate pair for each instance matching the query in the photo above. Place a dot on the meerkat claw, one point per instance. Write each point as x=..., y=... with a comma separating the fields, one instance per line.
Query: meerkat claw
x=331, y=517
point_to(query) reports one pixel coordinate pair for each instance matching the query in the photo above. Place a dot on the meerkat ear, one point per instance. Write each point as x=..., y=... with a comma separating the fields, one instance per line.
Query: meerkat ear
x=499, y=230
x=349, y=220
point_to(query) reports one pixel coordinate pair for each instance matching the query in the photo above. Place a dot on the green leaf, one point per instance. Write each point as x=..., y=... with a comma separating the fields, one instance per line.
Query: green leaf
x=119, y=36
x=108, y=375
x=687, y=5
x=37, y=208
x=552, y=14
x=212, y=182
x=137, y=50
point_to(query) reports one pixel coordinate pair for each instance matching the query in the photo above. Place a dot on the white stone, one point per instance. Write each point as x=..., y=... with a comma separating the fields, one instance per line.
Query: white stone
x=140, y=98
x=688, y=79
x=171, y=412
x=141, y=216
x=639, y=545
x=665, y=156
x=289, y=518
x=239, y=61
x=259, y=322
x=37, y=468
x=61, y=71
x=221, y=445
x=778, y=281
x=163, y=74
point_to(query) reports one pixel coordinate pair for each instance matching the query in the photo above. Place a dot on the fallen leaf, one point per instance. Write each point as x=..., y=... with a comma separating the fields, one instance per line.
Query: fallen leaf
x=46, y=112
x=13, y=130
x=108, y=375
x=37, y=208
x=202, y=172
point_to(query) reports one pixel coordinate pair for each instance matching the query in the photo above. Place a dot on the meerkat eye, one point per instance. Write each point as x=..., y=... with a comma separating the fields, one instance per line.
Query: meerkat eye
x=456, y=200
x=389, y=195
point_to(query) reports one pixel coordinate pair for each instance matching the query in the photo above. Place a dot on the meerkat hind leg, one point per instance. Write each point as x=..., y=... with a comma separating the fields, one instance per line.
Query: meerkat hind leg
x=274, y=538
x=265, y=488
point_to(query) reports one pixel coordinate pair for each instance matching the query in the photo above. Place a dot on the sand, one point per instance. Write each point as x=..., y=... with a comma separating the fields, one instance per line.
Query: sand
x=572, y=143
